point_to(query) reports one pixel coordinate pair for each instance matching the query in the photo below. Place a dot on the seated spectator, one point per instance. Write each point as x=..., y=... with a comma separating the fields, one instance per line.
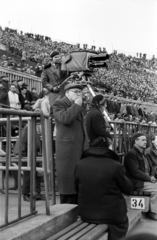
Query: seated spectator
x=100, y=182
x=139, y=169
x=34, y=94
x=38, y=70
x=25, y=99
x=43, y=103
x=13, y=98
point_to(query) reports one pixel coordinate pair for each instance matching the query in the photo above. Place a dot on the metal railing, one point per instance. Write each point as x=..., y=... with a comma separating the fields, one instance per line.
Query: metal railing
x=30, y=80
x=47, y=157
x=122, y=135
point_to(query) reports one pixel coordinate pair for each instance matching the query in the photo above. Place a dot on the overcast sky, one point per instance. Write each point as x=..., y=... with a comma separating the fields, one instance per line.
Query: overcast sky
x=124, y=25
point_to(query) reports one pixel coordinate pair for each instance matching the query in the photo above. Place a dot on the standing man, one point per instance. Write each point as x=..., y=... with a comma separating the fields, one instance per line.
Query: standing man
x=100, y=182
x=139, y=170
x=70, y=139
x=52, y=76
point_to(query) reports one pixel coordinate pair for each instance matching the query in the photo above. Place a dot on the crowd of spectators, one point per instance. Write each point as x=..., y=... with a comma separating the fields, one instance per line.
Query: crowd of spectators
x=125, y=76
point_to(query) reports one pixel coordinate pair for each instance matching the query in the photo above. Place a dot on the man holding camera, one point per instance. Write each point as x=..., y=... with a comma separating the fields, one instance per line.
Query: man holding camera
x=52, y=76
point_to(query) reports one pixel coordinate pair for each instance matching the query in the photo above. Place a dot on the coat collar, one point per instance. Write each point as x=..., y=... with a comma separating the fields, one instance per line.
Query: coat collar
x=101, y=152
x=67, y=101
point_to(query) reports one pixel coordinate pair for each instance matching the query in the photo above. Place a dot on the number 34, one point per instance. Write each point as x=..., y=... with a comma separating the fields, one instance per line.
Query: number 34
x=138, y=203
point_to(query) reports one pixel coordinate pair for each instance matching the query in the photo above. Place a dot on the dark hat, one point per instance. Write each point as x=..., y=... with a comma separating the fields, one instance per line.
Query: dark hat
x=136, y=135
x=54, y=53
x=98, y=99
x=24, y=84
x=14, y=80
x=4, y=77
x=73, y=85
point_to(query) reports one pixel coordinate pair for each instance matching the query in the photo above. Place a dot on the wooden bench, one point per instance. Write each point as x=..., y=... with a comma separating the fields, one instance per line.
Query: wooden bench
x=85, y=231
x=82, y=231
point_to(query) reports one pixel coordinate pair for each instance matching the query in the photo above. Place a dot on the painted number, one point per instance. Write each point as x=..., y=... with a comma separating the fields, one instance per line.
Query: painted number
x=137, y=203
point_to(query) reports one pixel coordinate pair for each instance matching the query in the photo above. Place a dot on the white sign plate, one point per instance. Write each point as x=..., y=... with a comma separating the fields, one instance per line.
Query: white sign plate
x=137, y=203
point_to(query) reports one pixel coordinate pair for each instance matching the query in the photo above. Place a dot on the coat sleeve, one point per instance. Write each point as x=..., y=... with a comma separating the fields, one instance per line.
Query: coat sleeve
x=153, y=166
x=76, y=181
x=45, y=81
x=98, y=126
x=134, y=169
x=66, y=115
x=124, y=183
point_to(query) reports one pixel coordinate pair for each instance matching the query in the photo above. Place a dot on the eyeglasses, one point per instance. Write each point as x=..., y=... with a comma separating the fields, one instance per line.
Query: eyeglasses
x=76, y=91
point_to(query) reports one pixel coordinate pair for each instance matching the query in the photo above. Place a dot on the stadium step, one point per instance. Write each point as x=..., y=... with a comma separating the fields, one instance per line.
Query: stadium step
x=134, y=216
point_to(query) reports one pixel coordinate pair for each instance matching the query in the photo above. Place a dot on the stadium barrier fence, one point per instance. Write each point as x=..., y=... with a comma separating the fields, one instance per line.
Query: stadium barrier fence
x=47, y=158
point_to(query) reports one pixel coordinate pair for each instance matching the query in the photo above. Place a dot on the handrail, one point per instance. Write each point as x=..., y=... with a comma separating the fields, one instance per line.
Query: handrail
x=31, y=80
x=31, y=117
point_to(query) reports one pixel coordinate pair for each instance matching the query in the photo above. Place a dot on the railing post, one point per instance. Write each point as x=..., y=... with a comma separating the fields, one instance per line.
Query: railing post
x=8, y=155
x=45, y=164
x=19, y=169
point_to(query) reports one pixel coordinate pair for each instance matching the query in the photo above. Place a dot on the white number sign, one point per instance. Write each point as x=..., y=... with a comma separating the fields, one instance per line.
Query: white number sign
x=137, y=203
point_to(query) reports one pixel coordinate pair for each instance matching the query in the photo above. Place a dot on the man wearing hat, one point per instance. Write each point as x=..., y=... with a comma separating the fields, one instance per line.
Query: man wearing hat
x=19, y=85
x=52, y=77
x=95, y=122
x=140, y=171
x=70, y=139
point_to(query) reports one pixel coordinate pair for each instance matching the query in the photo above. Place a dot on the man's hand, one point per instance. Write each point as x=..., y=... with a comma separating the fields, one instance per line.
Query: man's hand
x=55, y=89
x=78, y=101
x=153, y=179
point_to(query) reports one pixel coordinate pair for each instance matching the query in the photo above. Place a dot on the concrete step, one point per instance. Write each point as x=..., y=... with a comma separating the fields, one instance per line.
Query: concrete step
x=42, y=226
x=134, y=216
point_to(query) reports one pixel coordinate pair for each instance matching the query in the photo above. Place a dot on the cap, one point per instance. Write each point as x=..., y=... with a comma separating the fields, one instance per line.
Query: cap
x=98, y=99
x=136, y=135
x=20, y=80
x=73, y=85
x=4, y=77
x=54, y=53
x=24, y=84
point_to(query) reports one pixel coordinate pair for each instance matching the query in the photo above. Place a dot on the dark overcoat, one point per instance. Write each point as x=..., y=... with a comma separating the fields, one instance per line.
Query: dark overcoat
x=53, y=76
x=70, y=142
x=100, y=182
x=95, y=124
x=135, y=168
x=151, y=154
x=4, y=96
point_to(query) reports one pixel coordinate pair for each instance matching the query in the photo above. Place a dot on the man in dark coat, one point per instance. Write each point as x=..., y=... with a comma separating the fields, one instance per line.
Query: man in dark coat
x=70, y=139
x=95, y=122
x=151, y=152
x=25, y=98
x=3, y=95
x=100, y=182
x=52, y=76
x=139, y=169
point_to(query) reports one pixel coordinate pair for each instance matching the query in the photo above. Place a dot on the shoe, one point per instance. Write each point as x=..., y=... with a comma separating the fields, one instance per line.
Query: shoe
x=39, y=197
x=152, y=216
x=26, y=197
